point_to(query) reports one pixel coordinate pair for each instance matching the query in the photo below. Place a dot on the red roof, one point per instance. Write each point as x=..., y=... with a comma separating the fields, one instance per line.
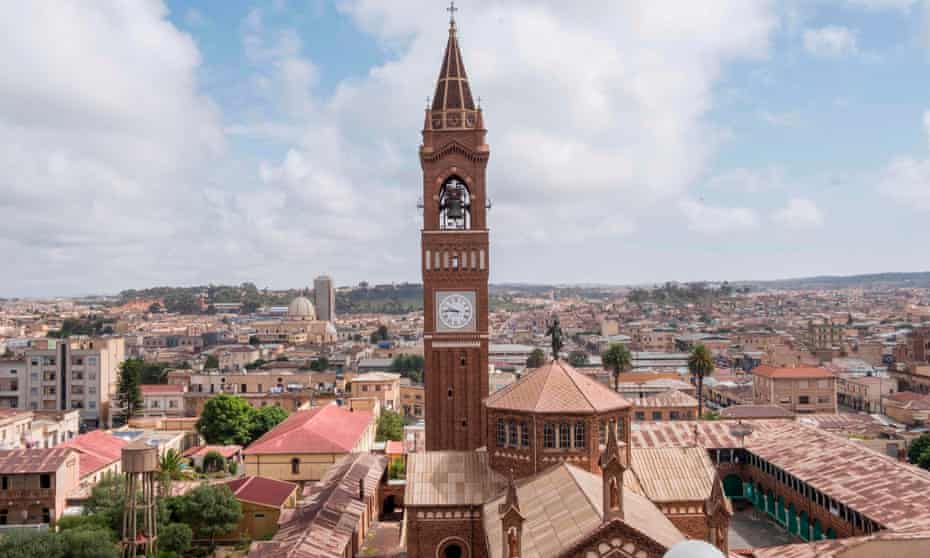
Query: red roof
x=262, y=490
x=98, y=450
x=153, y=389
x=225, y=451
x=556, y=387
x=799, y=373
x=328, y=429
x=393, y=447
x=45, y=460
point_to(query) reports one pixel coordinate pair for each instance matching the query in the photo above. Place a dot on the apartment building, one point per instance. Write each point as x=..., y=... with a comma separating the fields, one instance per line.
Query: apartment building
x=163, y=400
x=36, y=429
x=383, y=386
x=412, y=400
x=800, y=390
x=35, y=483
x=59, y=375
x=863, y=393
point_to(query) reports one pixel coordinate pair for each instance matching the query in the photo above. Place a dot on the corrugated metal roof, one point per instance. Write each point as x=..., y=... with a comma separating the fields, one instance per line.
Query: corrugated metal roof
x=673, y=474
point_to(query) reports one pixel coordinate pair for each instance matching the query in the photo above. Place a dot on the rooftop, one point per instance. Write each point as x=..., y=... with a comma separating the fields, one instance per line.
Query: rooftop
x=326, y=429
x=98, y=450
x=46, y=460
x=262, y=490
x=798, y=373
x=450, y=478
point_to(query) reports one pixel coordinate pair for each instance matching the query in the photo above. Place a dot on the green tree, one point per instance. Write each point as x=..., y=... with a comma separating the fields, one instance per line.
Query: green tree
x=918, y=447
x=213, y=462
x=254, y=340
x=175, y=537
x=30, y=543
x=106, y=501
x=87, y=522
x=578, y=358
x=409, y=366
x=924, y=460
x=212, y=362
x=226, y=419
x=155, y=308
x=397, y=469
x=128, y=394
x=319, y=365
x=380, y=334
x=210, y=510
x=390, y=427
x=89, y=543
x=265, y=419
x=701, y=365
x=536, y=359
x=618, y=359
x=169, y=469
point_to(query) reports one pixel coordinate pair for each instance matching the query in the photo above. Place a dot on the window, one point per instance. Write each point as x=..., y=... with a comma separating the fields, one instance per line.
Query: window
x=548, y=435
x=579, y=435
x=640, y=415
x=155, y=403
x=259, y=516
x=172, y=404
x=46, y=516
x=4, y=483
x=45, y=481
x=364, y=388
x=674, y=415
x=602, y=433
x=823, y=399
x=295, y=466
x=803, y=400
x=377, y=387
x=501, y=433
x=524, y=435
x=565, y=435
x=513, y=434
x=3, y=515
x=656, y=415
x=92, y=404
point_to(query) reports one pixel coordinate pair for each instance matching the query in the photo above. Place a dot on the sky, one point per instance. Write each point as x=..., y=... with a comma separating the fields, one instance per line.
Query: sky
x=222, y=141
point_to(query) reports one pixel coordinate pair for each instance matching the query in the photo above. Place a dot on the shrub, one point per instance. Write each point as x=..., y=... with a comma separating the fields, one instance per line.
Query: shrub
x=175, y=538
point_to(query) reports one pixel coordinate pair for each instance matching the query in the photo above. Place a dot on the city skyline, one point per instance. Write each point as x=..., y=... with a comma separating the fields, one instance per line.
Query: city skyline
x=652, y=145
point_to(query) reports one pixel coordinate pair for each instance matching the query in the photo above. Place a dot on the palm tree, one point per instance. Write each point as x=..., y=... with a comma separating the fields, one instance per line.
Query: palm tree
x=169, y=469
x=701, y=365
x=619, y=359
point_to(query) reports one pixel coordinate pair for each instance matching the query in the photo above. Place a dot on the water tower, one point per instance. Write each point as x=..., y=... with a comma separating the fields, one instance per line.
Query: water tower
x=140, y=467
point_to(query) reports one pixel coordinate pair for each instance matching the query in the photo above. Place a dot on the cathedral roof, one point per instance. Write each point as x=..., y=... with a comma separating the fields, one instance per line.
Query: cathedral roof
x=450, y=478
x=672, y=474
x=563, y=505
x=556, y=387
x=452, y=90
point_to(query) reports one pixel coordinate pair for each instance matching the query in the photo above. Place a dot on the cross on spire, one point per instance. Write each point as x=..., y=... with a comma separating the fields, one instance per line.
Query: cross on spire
x=452, y=9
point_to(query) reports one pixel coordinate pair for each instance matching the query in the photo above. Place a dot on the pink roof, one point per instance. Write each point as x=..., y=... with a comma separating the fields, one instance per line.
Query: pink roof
x=556, y=387
x=393, y=447
x=98, y=450
x=153, y=389
x=262, y=490
x=225, y=451
x=327, y=429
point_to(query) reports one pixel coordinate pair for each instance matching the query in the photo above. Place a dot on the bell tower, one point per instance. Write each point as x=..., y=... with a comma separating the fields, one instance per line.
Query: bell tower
x=455, y=259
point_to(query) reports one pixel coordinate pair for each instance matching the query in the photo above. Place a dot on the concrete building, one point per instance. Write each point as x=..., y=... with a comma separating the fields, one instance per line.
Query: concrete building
x=263, y=501
x=800, y=390
x=907, y=407
x=383, y=386
x=863, y=393
x=163, y=400
x=324, y=295
x=35, y=484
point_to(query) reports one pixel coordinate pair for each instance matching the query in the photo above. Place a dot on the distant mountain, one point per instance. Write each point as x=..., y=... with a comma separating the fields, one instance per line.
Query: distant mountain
x=919, y=279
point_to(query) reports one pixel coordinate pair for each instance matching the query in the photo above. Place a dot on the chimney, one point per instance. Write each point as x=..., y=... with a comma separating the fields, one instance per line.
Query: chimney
x=511, y=522
x=612, y=469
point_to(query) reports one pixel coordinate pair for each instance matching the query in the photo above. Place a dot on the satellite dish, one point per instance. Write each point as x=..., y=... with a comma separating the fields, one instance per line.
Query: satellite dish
x=694, y=549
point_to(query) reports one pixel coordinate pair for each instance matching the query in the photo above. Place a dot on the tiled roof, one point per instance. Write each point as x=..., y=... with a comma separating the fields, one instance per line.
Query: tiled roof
x=563, y=505
x=671, y=398
x=153, y=389
x=33, y=460
x=755, y=412
x=556, y=387
x=262, y=490
x=98, y=450
x=799, y=373
x=327, y=429
x=450, y=478
x=673, y=474
x=452, y=89
x=225, y=451
x=328, y=514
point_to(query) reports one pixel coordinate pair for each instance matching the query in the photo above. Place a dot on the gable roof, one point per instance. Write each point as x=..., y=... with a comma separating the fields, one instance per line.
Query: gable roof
x=672, y=474
x=563, y=506
x=262, y=490
x=98, y=450
x=799, y=373
x=450, y=478
x=327, y=429
x=46, y=460
x=556, y=387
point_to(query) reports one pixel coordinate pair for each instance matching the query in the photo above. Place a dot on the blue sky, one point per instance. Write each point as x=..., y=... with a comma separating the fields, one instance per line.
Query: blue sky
x=227, y=141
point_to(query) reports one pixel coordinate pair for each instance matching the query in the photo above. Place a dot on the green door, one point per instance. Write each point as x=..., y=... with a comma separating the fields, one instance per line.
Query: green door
x=792, y=520
x=733, y=487
x=804, y=526
x=818, y=531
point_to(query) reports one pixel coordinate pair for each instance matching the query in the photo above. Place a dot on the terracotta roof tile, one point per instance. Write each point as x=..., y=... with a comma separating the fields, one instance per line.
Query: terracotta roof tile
x=262, y=490
x=327, y=429
x=98, y=450
x=556, y=387
x=33, y=460
x=799, y=373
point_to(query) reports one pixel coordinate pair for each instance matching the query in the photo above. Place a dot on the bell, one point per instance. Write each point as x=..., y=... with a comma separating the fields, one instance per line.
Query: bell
x=454, y=209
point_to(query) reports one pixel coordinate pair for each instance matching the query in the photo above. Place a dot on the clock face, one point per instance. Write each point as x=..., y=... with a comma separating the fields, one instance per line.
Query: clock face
x=455, y=310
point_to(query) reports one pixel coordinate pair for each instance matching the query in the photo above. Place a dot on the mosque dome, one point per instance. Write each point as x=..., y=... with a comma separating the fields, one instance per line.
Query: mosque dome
x=694, y=549
x=301, y=308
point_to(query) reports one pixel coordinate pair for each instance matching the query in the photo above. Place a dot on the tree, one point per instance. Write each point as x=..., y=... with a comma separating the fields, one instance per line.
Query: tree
x=381, y=334
x=212, y=362
x=397, y=469
x=918, y=447
x=155, y=308
x=106, y=501
x=265, y=419
x=23, y=543
x=213, y=462
x=409, y=366
x=924, y=460
x=175, y=537
x=169, y=469
x=128, y=394
x=578, y=358
x=319, y=365
x=254, y=340
x=390, y=427
x=210, y=510
x=701, y=365
x=226, y=419
x=618, y=358
x=536, y=359
x=89, y=543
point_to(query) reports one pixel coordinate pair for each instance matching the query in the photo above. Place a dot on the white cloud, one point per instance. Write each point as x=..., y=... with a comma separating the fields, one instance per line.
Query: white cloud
x=788, y=119
x=717, y=219
x=748, y=180
x=927, y=123
x=830, y=41
x=799, y=213
x=878, y=5
x=907, y=181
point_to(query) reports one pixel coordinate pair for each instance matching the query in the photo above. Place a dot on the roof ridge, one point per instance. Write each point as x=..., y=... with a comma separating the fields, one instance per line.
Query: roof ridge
x=570, y=468
x=545, y=383
x=248, y=480
x=571, y=373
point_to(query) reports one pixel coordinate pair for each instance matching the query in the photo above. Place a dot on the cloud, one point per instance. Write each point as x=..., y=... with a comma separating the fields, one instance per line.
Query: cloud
x=711, y=219
x=799, y=213
x=747, y=180
x=830, y=41
x=788, y=119
x=132, y=182
x=880, y=5
x=907, y=179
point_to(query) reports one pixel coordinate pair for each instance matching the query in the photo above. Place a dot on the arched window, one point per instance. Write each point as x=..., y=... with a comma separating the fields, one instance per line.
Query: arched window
x=513, y=435
x=549, y=435
x=524, y=435
x=454, y=205
x=295, y=466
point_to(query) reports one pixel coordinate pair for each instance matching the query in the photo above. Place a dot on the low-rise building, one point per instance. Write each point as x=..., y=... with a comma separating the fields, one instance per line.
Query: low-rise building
x=35, y=484
x=263, y=501
x=668, y=405
x=863, y=393
x=163, y=400
x=384, y=386
x=412, y=400
x=907, y=407
x=800, y=390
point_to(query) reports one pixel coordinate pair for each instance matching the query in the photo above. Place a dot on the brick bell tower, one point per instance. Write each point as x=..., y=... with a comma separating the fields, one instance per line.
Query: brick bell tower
x=454, y=245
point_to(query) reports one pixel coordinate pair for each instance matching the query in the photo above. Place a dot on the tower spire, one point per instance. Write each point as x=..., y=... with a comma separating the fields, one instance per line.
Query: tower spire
x=453, y=94
x=452, y=9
